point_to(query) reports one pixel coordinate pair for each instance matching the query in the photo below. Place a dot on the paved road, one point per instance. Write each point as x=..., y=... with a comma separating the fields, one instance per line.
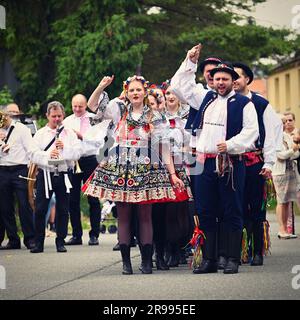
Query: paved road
x=95, y=273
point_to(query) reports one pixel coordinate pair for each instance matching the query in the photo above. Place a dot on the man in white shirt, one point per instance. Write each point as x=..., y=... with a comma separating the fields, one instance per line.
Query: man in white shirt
x=260, y=158
x=225, y=126
x=184, y=84
x=55, y=150
x=15, y=140
x=79, y=121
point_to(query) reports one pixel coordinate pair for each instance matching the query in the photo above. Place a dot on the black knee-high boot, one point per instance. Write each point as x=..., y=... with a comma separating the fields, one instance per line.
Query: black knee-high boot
x=209, y=261
x=233, y=252
x=125, y=252
x=221, y=247
x=258, y=244
x=146, y=253
x=159, y=257
x=174, y=255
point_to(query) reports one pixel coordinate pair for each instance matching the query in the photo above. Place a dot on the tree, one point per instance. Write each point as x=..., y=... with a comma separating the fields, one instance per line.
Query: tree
x=178, y=25
x=62, y=47
x=5, y=96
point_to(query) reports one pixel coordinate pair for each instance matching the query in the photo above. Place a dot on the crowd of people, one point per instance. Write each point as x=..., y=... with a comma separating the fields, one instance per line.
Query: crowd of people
x=163, y=154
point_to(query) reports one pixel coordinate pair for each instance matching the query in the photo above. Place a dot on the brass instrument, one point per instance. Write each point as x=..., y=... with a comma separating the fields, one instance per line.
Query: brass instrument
x=77, y=168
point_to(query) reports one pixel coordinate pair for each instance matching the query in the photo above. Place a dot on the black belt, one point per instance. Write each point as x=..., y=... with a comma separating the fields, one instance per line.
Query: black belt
x=87, y=157
x=14, y=168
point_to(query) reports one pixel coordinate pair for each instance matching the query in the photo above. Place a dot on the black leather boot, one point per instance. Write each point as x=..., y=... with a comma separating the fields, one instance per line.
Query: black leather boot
x=60, y=245
x=146, y=253
x=221, y=249
x=125, y=252
x=39, y=247
x=258, y=242
x=159, y=257
x=209, y=261
x=174, y=255
x=233, y=252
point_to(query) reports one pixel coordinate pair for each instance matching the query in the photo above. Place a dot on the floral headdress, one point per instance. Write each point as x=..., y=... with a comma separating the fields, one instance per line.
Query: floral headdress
x=165, y=85
x=155, y=94
x=3, y=119
x=135, y=77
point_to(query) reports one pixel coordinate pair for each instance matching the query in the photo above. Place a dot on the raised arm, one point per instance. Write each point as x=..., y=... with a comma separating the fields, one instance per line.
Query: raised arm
x=184, y=80
x=94, y=98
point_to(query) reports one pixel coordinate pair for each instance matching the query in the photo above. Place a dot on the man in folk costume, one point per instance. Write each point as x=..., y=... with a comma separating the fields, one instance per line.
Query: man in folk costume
x=55, y=150
x=184, y=85
x=225, y=126
x=259, y=159
x=15, y=145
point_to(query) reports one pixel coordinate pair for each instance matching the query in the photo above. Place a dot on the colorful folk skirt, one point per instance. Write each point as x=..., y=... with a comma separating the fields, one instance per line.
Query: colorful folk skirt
x=134, y=175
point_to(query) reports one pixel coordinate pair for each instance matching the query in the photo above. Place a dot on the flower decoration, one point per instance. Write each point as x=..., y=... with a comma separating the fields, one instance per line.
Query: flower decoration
x=155, y=94
x=164, y=85
x=130, y=182
x=172, y=123
x=135, y=77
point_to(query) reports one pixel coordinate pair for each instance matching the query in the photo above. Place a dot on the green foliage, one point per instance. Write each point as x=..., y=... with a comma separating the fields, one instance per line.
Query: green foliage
x=83, y=57
x=60, y=47
x=5, y=96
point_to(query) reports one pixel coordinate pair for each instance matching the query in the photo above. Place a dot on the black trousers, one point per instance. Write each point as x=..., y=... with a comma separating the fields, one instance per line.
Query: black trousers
x=2, y=230
x=216, y=200
x=62, y=206
x=254, y=190
x=87, y=165
x=10, y=186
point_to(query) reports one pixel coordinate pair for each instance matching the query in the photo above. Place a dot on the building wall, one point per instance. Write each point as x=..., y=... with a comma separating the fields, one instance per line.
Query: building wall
x=284, y=89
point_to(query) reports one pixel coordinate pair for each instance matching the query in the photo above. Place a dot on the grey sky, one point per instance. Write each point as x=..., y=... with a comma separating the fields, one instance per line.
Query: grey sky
x=278, y=13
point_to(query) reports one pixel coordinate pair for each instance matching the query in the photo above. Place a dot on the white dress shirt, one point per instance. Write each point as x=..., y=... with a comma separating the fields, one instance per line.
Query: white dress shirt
x=184, y=85
x=214, y=128
x=20, y=143
x=271, y=135
x=70, y=153
x=90, y=144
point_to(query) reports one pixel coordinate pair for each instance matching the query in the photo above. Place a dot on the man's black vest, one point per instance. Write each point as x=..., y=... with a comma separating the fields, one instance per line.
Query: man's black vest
x=260, y=105
x=235, y=108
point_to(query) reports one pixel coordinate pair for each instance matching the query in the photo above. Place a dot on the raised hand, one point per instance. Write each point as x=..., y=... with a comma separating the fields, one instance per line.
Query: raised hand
x=194, y=53
x=106, y=81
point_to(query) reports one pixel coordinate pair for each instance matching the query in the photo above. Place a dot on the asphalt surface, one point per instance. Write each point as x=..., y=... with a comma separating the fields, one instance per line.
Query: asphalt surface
x=94, y=272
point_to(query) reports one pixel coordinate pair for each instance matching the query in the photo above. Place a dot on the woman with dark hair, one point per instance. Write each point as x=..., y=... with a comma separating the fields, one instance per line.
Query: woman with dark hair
x=133, y=174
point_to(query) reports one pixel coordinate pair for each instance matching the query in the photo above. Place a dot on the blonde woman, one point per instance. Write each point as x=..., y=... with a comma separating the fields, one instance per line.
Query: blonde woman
x=285, y=181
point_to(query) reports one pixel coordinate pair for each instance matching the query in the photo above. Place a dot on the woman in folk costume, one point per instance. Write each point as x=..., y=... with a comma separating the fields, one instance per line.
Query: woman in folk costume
x=178, y=224
x=133, y=174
